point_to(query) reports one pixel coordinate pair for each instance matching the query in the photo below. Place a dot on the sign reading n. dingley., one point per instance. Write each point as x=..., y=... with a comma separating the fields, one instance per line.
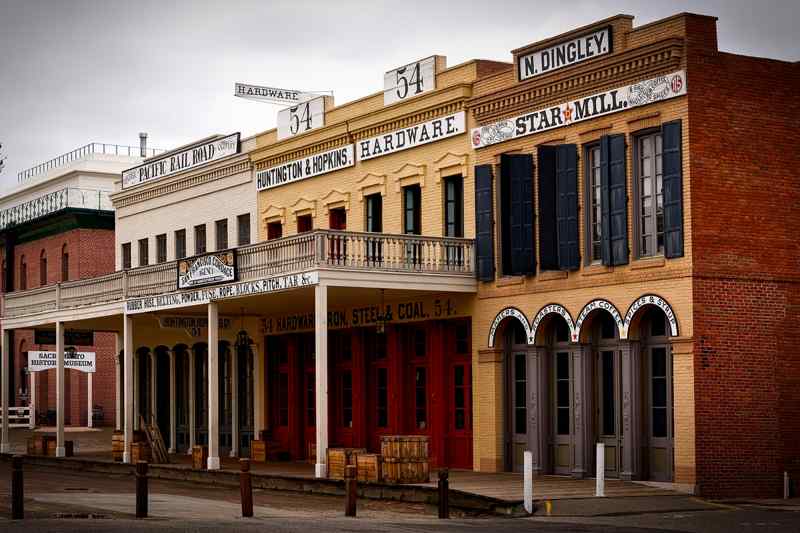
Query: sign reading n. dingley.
x=412, y=136
x=586, y=108
x=184, y=160
x=221, y=292
x=307, y=167
x=83, y=361
x=565, y=53
x=217, y=267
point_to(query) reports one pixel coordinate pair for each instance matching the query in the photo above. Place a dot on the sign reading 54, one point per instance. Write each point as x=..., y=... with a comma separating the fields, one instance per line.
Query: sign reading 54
x=301, y=118
x=409, y=80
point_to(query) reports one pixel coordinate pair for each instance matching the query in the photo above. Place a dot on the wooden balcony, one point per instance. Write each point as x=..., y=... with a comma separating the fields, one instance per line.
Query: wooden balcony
x=315, y=250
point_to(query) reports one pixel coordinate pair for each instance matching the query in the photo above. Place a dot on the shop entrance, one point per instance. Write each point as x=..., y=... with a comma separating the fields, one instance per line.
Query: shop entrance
x=516, y=370
x=608, y=390
x=657, y=370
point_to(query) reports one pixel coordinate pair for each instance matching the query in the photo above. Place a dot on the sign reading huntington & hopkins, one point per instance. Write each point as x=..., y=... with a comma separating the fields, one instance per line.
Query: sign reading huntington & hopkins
x=221, y=292
x=179, y=161
x=208, y=269
x=83, y=361
x=307, y=167
x=586, y=108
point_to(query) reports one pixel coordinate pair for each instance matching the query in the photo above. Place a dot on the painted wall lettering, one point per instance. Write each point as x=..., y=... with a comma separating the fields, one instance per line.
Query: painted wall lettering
x=412, y=136
x=308, y=167
x=565, y=53
x=409, y=80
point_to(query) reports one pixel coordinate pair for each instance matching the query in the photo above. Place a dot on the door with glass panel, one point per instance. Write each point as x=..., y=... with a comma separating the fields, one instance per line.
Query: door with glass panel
x=659, y=402
x=609, y=392
x=517, y=433
x=562, y=413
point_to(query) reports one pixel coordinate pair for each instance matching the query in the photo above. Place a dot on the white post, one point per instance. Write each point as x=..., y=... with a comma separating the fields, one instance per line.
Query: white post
x=153, y=365
x=60, y=450
x=32, y=423
x=600, y=489
x=118, y=383
x=89, y=399
x=786, y=485
x=128, y=388
x=213, y=386
x=172, y=402
x=192, y=395
x=528, y=481
x=5, y=444
x=321, y=376
x=234, y=403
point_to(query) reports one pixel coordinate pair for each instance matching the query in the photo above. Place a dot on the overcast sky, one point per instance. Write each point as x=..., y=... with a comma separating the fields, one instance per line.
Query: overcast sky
x=74, y=72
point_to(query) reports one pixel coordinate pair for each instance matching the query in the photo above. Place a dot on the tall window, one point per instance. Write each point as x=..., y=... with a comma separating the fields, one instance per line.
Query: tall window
x=43, y=268
x=347, y=398
x=421, y=397
x=594, y=211
x=64, y=263
x=243, y=229
x=200, y=239
x=144, y=252
x=520, y=394
x=274, y=230
x=562, y=393
x=222, y=233
x=23, y=273
x=161, y=248
x=180, y=244
x=411, y=210
x=126, y=255
x=374, y=207
x=383, y=398
x=650, y=206
x=304, y=223
x=454, y=206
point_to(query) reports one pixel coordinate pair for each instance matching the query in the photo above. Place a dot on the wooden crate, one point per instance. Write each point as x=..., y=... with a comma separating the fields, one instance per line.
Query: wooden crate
x=405, y=447
x=405, y=471
x=258, y=451
x=368, y=467
x=51, y=447
x=37, y=445
x=339, y=458
x=311, y=454
x=200, y=457
x=140, y=451
x=117, y=445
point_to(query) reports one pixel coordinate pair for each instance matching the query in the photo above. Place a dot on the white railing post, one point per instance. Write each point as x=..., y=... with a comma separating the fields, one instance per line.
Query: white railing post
x=599, y=490
x=528, y=482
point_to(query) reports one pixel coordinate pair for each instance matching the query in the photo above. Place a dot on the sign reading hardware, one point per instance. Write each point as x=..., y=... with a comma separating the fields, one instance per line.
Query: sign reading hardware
x=409, y=80
x=307, y=167
x=306, y=116
x=221, y=292
x=218, y=267
x=83, y=361
x=183, y=160
x=627, y=97
x=270, y=94
x=565, y=53
x=412, y=136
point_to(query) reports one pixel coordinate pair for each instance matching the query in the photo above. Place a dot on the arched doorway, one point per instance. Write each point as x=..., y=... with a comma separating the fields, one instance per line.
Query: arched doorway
x=162, y=390
x=200, y=351
x=514, y=336
x=181, y=354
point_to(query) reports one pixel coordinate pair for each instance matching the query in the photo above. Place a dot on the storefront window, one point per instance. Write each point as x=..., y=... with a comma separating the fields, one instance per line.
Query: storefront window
x=658, y=380
x=459, y=397
x=347, y=399
x=562, y=393
x=383, y=398
x=520, y=394
x=421, y=397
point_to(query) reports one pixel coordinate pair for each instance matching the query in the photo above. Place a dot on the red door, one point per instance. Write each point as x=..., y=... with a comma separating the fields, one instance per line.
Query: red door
x=340, y=353
x=278, y=379
x=458, y=445
x=378, y=386
x=417, y=416
x=307, y=400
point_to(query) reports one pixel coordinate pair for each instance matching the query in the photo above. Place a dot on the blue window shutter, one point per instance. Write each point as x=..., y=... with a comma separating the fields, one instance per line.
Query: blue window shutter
x=569, y=257
x=673, y=189
x=519, y=170
x=548, y=236
x=614, y=200
x=484, y=222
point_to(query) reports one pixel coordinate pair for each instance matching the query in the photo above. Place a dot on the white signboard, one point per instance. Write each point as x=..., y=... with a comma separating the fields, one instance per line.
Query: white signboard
x=502, y=315
x=565, y=53
x=83, y=361
x=218, y=267
x=412, y=136
x=307, y=167
x=220, y=292
x=180, y=161
x=605, y=103
x=409, y=80
x=270, y=94
x=303, y=117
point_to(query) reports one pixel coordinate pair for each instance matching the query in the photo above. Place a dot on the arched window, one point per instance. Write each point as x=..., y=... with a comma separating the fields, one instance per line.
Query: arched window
x=23, y=274
x=43, y=269
x=64, y=263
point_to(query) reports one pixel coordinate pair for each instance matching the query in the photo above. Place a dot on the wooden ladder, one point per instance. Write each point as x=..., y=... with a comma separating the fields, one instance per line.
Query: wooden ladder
x=158, y=449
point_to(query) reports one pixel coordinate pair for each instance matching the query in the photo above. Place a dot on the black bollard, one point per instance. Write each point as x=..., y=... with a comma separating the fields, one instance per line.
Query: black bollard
x=141, y=489
x=17, y=489
x=246, y=488
x=350, y=491
x=444, y=493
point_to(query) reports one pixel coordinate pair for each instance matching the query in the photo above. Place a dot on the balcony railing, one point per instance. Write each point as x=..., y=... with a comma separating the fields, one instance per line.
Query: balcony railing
x=55, y=201
x=83, y=151
x=318, y=249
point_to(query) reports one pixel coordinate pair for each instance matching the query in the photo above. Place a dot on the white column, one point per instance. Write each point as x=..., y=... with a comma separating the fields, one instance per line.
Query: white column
x=89, y=399
x=153, y=366
x=60, y=451
x=192, y=395
x=118, y=382
x=213, y=386
x=321, y=375
x=127, y=368
x=136, y=391
x=234, y=403
x=172, y=402
x=258, y=389
x=5, y=444
x=33, y=400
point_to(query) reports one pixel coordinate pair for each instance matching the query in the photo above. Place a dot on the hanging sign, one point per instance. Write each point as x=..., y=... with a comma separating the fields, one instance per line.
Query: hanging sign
x=412, y=136
x=83, y=361
x=179, y=161
x=307, y=167
x=502, y=315
x=565, y=53
x=217, y=267
x=627, y=97
x=303, y=117
x=221, y=292
x=409, y=80
x=270, y=94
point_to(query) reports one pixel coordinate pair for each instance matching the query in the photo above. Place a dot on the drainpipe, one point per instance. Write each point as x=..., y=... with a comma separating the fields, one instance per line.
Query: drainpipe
x=143, y=144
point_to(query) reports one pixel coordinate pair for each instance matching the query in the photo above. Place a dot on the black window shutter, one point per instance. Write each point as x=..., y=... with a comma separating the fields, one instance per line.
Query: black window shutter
x=484, y=222
x=613, y=200
x=673, y=189
x=567, y=206
x=519, y=171
x=548, y=236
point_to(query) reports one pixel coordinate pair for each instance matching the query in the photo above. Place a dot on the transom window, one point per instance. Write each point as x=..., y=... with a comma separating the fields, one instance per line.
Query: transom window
x=651, y=195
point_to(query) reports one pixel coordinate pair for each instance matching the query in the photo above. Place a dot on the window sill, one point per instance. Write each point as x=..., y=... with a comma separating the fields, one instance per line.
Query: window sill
x=594, y=270
x=509, y=280
x=649, y=262
x=548, y=275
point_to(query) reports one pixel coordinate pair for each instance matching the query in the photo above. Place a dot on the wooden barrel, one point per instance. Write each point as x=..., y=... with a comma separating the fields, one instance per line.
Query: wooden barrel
x=405, y=458
x=140, y=451
x=200, y=457
x=117, y=445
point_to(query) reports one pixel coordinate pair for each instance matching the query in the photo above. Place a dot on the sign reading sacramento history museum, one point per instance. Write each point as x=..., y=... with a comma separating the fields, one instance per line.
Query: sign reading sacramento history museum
x=219, y=267
x=83, y=361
